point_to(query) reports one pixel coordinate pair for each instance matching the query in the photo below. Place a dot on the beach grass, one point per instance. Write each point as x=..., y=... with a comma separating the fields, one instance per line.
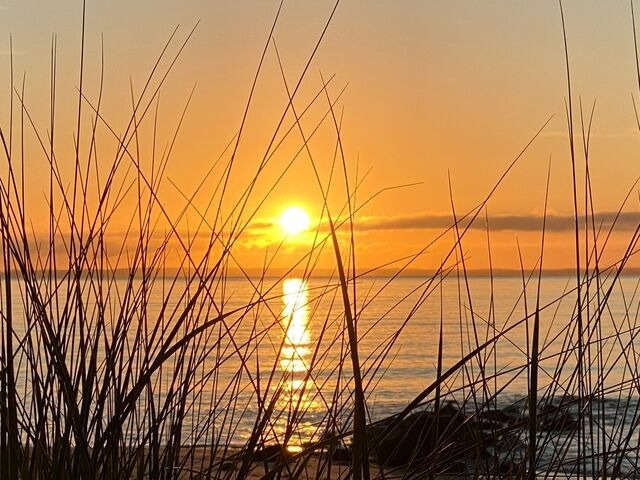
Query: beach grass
x=119, y=363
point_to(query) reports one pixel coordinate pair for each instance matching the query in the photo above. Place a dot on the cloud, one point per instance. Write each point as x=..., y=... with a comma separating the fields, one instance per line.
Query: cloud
x=260, y=224
x=520, y=223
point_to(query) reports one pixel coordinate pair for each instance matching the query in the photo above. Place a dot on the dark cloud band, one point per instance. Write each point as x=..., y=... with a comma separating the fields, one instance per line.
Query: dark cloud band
x=554, y=222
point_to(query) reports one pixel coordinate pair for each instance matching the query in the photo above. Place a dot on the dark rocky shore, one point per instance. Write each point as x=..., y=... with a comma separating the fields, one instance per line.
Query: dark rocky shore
x=462, y=441
x=449, y=440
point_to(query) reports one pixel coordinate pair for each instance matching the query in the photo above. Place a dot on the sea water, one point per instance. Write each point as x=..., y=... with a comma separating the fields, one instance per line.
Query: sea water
x=276, y=352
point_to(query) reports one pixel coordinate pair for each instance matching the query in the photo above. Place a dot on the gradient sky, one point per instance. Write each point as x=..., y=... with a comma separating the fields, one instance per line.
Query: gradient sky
x=433, y=88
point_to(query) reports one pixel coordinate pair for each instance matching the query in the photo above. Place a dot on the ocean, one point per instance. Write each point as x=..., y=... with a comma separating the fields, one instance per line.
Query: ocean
x=275, y=353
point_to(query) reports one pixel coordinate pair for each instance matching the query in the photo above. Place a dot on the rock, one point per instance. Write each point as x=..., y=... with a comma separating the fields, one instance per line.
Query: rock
x=341, y=455
x=422, y=434
x=513, y=414
x=270, y=453
x=486, y=424
x=556, y=419
x=496, y=416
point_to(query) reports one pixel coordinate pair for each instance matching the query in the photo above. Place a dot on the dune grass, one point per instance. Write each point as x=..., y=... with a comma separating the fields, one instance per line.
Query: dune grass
x=115, y=365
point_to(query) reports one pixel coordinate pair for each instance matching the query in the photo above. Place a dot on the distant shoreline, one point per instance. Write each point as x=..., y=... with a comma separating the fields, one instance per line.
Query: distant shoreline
x=363, y=273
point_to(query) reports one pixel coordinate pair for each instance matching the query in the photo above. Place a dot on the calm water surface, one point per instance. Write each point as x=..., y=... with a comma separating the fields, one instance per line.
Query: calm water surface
x=305, y=344
x=288, y=351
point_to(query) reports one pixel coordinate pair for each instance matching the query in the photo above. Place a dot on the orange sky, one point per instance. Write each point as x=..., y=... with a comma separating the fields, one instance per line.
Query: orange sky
x=431, y=88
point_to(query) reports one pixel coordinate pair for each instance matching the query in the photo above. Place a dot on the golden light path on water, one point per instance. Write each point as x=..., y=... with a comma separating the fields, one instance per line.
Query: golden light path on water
x=295, y=355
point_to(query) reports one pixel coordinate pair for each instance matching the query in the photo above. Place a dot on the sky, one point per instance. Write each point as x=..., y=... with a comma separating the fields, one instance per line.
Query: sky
x=441, y=96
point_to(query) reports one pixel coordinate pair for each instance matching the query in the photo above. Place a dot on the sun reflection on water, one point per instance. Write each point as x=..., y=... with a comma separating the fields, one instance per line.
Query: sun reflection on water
x=295, y=318
x=295, y=357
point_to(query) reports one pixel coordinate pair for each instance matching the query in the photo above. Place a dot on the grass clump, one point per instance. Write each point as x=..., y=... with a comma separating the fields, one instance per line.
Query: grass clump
x=118, y=363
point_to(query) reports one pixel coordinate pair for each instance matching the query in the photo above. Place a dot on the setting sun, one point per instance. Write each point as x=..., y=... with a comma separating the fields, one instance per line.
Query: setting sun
x=294, y=220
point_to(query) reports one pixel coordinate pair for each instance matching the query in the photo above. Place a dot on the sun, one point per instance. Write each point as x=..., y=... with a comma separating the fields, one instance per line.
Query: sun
x=294, y=220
